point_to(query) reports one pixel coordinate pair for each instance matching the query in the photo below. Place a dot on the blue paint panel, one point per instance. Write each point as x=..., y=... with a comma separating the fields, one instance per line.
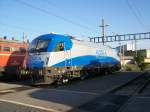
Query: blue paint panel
x=87, y=60
x=35, y=62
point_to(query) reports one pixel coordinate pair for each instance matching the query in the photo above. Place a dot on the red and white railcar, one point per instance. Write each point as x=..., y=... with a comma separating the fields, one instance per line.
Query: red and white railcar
x=12, y=55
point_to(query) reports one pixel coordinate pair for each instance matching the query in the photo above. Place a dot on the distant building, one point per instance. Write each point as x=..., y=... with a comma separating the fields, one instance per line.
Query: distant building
x=128, y=51
x=126, y=47
x=146, y=54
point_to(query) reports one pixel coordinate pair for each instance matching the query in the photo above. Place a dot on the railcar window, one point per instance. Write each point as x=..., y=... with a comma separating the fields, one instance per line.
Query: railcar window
x=32, y=46
x=39, y=46
x=6, y=49
x=14, y=49
x=42, y=44
x=22, y=50
x=59, y=47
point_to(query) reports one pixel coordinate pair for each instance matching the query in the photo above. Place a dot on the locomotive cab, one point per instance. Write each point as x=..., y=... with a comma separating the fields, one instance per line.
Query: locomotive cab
x=42, y=51
x=44, y=47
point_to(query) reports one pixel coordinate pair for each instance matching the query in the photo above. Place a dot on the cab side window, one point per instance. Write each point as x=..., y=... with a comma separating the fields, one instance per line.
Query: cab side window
x=59, y=47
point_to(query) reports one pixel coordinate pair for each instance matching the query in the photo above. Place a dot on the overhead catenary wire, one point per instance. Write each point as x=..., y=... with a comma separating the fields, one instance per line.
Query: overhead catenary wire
x=51, y=3
x=137, y=14
x=137, y=9
x=53, y=14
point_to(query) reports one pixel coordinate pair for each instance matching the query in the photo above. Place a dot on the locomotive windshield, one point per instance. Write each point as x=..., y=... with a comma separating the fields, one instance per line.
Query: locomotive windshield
x=39, y=46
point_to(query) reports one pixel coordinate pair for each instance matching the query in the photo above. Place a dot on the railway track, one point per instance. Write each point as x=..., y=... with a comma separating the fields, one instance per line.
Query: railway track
x=116, y=99
x=133, y=87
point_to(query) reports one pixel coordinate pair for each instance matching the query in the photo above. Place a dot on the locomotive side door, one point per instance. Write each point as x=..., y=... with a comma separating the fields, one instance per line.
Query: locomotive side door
x=67, y=56
x=61, y=46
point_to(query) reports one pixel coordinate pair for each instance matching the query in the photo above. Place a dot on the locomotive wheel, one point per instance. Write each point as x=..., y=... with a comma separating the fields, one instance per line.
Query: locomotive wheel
x=84, y=74
x=65, y=81
x=82, y=77
x=62, y=80
x=108, y=71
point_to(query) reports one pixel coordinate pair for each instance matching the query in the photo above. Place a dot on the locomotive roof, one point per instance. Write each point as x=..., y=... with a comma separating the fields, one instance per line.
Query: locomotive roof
x=91, y=44
x=51, y=36
x=62, y=37
x=10, y=41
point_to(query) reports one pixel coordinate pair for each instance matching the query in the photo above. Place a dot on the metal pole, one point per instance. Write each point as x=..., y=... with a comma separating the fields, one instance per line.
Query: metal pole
x=123, y=56
x=135, y=47
x=103, y=31
x=23, y=37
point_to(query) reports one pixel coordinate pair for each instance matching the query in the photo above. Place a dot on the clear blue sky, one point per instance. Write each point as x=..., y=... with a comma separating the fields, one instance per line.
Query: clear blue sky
x=80, y=18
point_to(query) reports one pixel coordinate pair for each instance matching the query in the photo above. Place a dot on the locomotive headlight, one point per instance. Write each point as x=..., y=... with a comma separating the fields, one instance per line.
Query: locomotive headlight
x=47, y=60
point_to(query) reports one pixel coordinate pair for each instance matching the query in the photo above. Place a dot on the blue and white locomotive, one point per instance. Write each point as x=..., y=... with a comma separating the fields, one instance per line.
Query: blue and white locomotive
x=54, y=57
